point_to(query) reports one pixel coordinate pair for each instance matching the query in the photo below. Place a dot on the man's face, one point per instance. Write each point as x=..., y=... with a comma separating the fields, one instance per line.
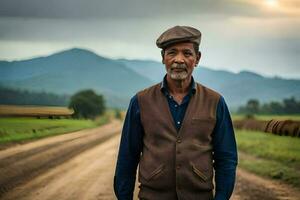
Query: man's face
x=180, y=60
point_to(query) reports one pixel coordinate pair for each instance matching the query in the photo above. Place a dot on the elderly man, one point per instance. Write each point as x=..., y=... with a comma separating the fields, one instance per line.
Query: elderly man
x=178, y=131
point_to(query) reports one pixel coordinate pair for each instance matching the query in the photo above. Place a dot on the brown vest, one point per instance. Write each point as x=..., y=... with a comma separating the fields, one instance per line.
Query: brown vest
x=177, y=165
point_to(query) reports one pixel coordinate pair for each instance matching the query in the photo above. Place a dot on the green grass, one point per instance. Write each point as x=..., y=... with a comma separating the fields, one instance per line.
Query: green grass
x=269, y=155
x=268, y=117
x=21, y=129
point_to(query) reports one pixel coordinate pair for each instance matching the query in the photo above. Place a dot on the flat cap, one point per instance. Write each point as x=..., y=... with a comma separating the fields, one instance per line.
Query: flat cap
x=178, y=34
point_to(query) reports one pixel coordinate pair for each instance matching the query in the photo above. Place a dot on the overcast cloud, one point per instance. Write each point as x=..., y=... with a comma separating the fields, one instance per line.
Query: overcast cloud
x=116, y=9
x=254, y=35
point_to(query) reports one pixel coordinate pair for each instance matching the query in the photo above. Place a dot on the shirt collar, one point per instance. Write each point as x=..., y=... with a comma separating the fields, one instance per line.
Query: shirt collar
x=164, y=86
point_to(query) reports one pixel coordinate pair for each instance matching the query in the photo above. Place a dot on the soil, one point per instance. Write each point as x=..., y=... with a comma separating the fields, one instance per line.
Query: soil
x=250, y=186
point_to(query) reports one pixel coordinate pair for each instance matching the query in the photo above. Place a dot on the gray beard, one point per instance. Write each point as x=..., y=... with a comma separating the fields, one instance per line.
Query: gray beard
x=178, y=76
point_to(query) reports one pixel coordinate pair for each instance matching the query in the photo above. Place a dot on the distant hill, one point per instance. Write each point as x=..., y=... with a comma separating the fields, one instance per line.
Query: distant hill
x=68, y=71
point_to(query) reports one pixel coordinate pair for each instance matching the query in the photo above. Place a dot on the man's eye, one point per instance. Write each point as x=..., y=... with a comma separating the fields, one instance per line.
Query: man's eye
x=171, y=53
x=188, y=53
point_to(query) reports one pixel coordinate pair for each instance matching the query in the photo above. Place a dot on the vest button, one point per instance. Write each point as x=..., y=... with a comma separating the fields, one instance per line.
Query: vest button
x=178, y=141
x=178, y=167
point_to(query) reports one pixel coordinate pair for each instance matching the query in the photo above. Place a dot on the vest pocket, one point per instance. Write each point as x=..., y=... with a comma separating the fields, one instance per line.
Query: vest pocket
x=199, y=173
x=157, y=171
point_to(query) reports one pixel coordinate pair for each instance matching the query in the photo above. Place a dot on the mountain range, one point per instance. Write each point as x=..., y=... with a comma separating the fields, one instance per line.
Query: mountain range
x=69, y=71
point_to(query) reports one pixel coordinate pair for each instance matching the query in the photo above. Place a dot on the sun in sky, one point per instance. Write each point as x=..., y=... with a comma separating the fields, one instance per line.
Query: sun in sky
x=272, y=3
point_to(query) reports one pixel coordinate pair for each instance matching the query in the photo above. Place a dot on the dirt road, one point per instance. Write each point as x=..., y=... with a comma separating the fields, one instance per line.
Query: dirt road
x=72, y=166
x=80, y=166
x=252, y=187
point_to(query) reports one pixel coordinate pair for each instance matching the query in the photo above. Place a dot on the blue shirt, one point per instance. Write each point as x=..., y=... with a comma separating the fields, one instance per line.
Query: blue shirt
x=223, y=140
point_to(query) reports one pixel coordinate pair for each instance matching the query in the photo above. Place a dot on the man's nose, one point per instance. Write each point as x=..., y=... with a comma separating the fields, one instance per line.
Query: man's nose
x=179, y=58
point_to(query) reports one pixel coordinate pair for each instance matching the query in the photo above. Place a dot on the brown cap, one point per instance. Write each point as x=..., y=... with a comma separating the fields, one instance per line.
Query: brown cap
x=178, y=34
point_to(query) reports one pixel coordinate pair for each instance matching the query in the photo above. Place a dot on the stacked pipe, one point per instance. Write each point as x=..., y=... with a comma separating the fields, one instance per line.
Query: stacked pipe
x=277, y=127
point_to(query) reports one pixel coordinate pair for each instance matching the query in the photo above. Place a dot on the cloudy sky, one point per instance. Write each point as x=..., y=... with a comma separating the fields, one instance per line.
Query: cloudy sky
x=256, y=35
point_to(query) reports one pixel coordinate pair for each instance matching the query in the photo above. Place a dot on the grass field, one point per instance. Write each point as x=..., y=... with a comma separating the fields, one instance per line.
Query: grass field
x=268, y=117
x=270, y=155
x=21, y=129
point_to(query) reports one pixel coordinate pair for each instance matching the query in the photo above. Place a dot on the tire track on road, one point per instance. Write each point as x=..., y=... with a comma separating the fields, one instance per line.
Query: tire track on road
x=88, y=176
x=56, y=151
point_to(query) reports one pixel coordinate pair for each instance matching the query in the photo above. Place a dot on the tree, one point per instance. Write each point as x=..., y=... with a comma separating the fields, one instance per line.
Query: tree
x=287, y=106
x=118, y=114
x=276, y=108
x=87, y=104
x=291, y=105
x=252, y=106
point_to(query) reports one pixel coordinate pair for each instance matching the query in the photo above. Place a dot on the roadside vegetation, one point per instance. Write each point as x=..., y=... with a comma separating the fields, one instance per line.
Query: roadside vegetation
x=295, y=117
x=90, y=112
x=287, y=106
x=87, y=104
x=24, y=129
x=269, y=155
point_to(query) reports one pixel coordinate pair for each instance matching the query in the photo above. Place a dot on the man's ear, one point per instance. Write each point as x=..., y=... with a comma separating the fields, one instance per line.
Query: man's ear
x=198, y=58
x=162, y=53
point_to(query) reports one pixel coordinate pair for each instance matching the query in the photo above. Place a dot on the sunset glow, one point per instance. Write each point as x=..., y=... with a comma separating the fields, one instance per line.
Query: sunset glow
x=272, y=3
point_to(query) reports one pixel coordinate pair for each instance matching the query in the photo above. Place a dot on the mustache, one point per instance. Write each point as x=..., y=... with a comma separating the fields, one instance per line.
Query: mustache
x=178, y=66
